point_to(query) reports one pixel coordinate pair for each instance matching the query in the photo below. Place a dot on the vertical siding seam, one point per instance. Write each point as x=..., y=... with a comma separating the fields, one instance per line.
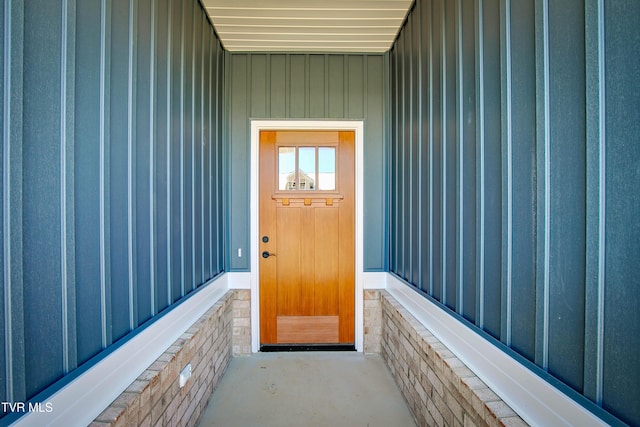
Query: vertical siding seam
x=67, y=242
x=395, y=155
x=168, y=157
x=131, y=165
x=402, y=144
x=365, y=114
x=221, y=99
x=393, y=132
x=6, y=201
x=103, y=279
x=420, y=118
x=103, y=141
x=210, y=154
x=399, y=97
x=182, y=146
x=63, y=182
x=307, y=88
x=403, y=158
x=193, y=283
x=224, y=132
x=409, y=147
x=222, y=150
x=205, y=149
x=431, y=142
x=365, y=88
x=386, y=156
x=212, y=147
x=218, y=93
x=443, y=107
x=63, y=187
x=326, y=85
x=393, y=96
x=199, y=142
x=268, y=84
x=602, y=209
x=287, y=86
x=219, y=150
x=345, y=86
x=460, y=299
x=248, y=106
x=413, y=153
x=225, y=151
x=203, y=137
x=391, y=92
x=214, y=155
x=152, y=211
x=390, y=166
x=71, y=246
x=399, y=147
x=547, y=185
x=509, y=171
x=400, y=160
x=223, y=86
x=481, y=134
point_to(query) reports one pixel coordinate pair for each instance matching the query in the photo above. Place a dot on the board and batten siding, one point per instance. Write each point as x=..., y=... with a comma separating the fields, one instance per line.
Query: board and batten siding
x=111, y=168
x=514, y=176
x=307, y=86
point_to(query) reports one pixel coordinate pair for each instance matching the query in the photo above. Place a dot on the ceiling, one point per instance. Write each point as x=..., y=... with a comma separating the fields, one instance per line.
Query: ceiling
x=307, y=25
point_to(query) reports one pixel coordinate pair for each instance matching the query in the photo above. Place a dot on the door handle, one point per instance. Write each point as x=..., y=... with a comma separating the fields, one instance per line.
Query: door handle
x=266, y=254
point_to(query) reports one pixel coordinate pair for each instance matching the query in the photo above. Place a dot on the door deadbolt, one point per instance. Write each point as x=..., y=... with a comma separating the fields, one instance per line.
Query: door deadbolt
x=265, y=239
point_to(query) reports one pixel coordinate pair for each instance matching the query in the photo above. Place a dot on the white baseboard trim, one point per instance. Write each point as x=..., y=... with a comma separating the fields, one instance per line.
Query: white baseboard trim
x=82, y=400
x=374, y=280
x=536, y=401
x=239, y=280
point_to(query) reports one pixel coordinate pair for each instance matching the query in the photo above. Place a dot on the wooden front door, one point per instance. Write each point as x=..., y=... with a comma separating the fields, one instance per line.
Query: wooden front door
x=307, y=237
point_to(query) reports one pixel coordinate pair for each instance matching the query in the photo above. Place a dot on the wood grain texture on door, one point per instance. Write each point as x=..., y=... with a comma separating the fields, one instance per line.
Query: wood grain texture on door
x=307, y=239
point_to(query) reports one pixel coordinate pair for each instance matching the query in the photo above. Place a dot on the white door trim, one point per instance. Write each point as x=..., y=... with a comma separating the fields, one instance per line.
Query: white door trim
x=256, y=127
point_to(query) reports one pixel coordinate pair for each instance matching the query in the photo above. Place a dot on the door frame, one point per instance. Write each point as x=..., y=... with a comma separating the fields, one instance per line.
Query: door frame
x=350, y=125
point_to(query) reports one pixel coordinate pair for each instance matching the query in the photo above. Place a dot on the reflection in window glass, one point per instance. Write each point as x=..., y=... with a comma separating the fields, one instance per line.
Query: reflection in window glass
x=326, y=168
x=307, y=168
x=286, y=168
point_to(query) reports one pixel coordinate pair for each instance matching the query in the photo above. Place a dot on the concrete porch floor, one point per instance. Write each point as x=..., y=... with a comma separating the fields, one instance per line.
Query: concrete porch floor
x=307, y=389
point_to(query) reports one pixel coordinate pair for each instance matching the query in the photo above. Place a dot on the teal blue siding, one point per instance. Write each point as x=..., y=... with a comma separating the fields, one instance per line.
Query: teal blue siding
x=11, y=69
x=621, y=246
x=87, y=179
x=3, y=338
x=44, y=146
x=527, y=165
x=566, y=174
x=306, y=86
x=112, y=195
x=501, y=175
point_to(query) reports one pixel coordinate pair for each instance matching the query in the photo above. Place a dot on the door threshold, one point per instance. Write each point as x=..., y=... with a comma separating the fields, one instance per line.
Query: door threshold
x=271, y=348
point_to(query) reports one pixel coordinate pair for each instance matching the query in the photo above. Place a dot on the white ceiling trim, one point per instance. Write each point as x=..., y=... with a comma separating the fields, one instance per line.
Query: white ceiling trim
x=307, y=26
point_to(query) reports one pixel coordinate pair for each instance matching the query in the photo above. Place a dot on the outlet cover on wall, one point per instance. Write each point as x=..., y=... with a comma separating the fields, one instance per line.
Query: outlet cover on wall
x=185, y=374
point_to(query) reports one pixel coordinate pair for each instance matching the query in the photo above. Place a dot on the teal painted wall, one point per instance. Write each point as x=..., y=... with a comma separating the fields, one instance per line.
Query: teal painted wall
x=306, y=86
x=110, y=124
x=509, y=130
x=514, y=171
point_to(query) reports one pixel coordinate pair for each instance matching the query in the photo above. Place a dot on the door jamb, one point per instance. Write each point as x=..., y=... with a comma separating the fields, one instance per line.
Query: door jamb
x=256, y=126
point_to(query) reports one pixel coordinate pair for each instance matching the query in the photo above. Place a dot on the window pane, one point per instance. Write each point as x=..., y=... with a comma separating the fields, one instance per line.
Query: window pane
x=326, y=168
x=307, y=168
x=286, y=168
